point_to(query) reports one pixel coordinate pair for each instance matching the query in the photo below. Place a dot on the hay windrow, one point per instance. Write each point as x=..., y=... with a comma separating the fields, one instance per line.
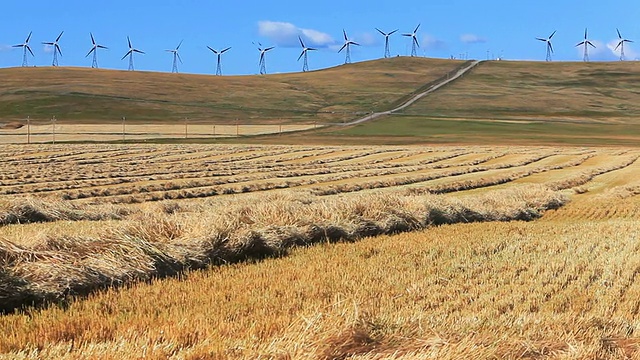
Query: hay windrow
x=160, y=244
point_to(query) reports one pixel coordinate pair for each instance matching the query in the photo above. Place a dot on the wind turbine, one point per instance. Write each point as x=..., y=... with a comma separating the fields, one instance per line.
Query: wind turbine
x=219, y=53
x=387, y=53
x=94, y=50
x=549, y=46
x=414, y=41
x=176, y=57
x=56, y=49
x=305, y=49
x=263, y=66
x=347, y=45
x=586, y=43
x=25, y=47
x=621, y=44
x=130, y=54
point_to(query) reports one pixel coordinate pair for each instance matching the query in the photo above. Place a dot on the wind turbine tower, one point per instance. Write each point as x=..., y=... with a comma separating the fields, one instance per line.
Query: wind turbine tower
x=130, y=53
x=94, y=50
x=176, y=57
x=549, y=46
x=262, y=63
x=25, y=47
x=387, y=53
x=586, y=43
x=219, y=54
x=56, y=49
x=620, y=45
x=305, y=49
x=347, y=45
x=414, y=41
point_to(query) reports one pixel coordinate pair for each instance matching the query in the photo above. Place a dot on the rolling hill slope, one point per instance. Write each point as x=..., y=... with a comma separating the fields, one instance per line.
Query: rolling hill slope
x=331, y=95
x=511, y=102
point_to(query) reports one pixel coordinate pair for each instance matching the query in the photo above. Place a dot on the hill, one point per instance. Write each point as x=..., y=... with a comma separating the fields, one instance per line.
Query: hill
x=511, y=102
x=330, y=95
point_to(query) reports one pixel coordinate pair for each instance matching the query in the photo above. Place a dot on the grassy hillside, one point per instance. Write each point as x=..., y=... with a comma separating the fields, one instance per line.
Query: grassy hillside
x=335, y=94
x=522, y=102
x=587, y=92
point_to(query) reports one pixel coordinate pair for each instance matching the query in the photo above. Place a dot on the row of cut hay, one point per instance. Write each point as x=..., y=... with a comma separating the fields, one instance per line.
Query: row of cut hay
x=588, y=175
x=159, y=244
x=454, y=186
x=33, y=210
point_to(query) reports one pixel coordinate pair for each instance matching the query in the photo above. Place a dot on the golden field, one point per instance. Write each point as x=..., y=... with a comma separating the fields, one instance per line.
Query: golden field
x=205, y=252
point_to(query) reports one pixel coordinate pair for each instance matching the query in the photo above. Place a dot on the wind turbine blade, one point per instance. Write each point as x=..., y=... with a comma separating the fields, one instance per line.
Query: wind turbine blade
x=617, y=46
x=57, y=48
x=407, y=34
x=138, y=51
x=213, y=51
x=28, y=37
x=550, y=46
x=343, y=46
x=393, y=32
x=380, y=31
x=129, y=41
x=29, y=48
x=47, y=43
x=16, y=46
x=354, y=43
x=554, y=32
x=619, y=36
x=345, y=35
x=93, y=41
x=585, y=34
x=545, y=40
x=127, y=54
x=261, y=57
x=628, y=40
x=312, y=49
x=59, y=36
x=415, y=39
x=580, y=43
x=593, y=46
x=301, y=54
x=179, y=58
x=179, y=44
x=90, y=51
x=101, y=47
x=301, y=43
x=225, y=50
x=269, y=48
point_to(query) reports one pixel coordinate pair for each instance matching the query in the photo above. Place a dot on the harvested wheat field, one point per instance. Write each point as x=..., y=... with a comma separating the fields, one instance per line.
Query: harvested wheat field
x=319, y=252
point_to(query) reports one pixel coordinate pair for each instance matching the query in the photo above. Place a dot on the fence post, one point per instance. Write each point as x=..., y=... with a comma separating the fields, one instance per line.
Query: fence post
x=53, y=129
x=237, y=128
x=124, y=131
x=186, y=128
x=28, y=130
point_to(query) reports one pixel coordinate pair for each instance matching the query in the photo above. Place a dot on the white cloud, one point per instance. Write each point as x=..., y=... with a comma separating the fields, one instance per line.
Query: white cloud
x=285, y=34
x=472, y=39
x=4, y=48
x=368, y=39
x=47, y=49
x=432, y=43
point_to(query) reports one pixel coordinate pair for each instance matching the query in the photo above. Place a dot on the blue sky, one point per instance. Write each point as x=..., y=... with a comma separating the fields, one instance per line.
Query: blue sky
x=456, y=28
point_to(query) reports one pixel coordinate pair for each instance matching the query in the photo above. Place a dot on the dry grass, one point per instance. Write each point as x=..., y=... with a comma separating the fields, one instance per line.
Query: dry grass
x=561, y=287
x=157, y=245
x=506, y=290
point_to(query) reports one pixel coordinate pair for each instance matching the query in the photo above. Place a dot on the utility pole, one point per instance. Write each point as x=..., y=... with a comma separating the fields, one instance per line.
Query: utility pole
x=28, y=130
x=186, y=128
x=124, y=119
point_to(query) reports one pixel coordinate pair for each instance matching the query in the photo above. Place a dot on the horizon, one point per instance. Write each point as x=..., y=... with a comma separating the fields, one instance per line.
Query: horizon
x=492, y=32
